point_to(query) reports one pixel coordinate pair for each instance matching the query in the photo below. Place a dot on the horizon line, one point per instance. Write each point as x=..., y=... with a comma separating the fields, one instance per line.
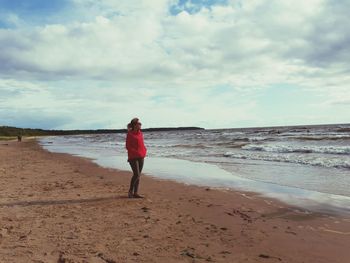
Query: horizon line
x=183, y=127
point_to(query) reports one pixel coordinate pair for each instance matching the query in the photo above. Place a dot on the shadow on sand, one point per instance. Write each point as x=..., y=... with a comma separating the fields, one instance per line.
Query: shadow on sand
x=60, y=202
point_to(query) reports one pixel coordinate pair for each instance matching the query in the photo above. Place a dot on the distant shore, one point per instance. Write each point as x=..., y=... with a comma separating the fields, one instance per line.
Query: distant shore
x=60, y=208
x=6, y=131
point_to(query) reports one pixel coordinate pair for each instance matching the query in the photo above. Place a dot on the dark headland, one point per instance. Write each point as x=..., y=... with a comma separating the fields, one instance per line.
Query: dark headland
x=14, y=131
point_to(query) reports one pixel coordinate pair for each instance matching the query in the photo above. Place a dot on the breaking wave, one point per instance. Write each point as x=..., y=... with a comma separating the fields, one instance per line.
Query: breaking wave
x=298, y=149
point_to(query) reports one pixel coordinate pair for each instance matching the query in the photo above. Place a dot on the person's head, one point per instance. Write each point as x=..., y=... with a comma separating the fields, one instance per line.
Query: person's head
x=134, y=125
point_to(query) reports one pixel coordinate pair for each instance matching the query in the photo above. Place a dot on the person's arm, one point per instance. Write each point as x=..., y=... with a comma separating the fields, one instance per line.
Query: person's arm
x=130, y=145
x=127, y=142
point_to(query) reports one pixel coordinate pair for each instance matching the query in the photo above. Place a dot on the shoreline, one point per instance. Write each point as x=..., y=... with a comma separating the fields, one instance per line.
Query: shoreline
x=211, y=175
x=56, y=205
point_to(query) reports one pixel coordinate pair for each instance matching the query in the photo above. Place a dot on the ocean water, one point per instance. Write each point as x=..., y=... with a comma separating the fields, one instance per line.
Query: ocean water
x=306, y=166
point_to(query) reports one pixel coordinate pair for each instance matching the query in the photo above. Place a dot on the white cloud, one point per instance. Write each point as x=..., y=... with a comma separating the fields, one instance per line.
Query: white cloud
x=129, y=51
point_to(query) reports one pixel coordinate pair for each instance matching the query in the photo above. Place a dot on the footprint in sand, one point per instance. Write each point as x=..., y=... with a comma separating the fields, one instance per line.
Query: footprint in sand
x=244, y=216
x=145, y=209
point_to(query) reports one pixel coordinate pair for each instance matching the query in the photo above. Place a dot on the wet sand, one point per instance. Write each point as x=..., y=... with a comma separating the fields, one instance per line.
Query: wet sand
x=60, y=208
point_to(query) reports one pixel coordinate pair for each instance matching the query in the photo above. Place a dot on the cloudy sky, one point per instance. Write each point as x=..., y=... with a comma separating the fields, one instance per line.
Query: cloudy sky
x=81, y=64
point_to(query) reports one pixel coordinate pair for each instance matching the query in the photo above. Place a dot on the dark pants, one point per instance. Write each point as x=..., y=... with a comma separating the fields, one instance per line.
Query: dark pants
x=136, y=166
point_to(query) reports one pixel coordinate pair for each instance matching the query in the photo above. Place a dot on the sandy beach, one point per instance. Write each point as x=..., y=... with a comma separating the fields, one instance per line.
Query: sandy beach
x=60, y=208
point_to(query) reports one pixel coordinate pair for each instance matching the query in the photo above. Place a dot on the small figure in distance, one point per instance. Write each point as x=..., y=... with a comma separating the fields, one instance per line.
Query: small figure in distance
x=19, y=138
x=136, y=154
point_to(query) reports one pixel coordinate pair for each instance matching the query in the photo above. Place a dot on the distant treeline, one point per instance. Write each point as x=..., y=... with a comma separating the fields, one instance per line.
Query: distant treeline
x=13, y=131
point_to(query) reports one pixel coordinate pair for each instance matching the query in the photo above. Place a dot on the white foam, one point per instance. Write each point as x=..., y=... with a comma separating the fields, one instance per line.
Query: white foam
x=296, y=148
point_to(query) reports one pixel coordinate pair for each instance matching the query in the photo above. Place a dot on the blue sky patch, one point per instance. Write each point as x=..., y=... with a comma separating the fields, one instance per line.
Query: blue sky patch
x=31, y=11
x=193, y=6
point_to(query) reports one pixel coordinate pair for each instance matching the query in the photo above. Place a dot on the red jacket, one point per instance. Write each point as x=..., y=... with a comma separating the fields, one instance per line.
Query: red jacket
x=135, y=145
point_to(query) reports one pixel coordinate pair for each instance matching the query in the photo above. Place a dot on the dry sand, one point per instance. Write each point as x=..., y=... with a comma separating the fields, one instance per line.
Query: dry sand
x=59, y=208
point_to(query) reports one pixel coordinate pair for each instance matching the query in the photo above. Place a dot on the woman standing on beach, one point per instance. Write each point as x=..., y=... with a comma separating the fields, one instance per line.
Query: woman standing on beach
x=136, y=154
